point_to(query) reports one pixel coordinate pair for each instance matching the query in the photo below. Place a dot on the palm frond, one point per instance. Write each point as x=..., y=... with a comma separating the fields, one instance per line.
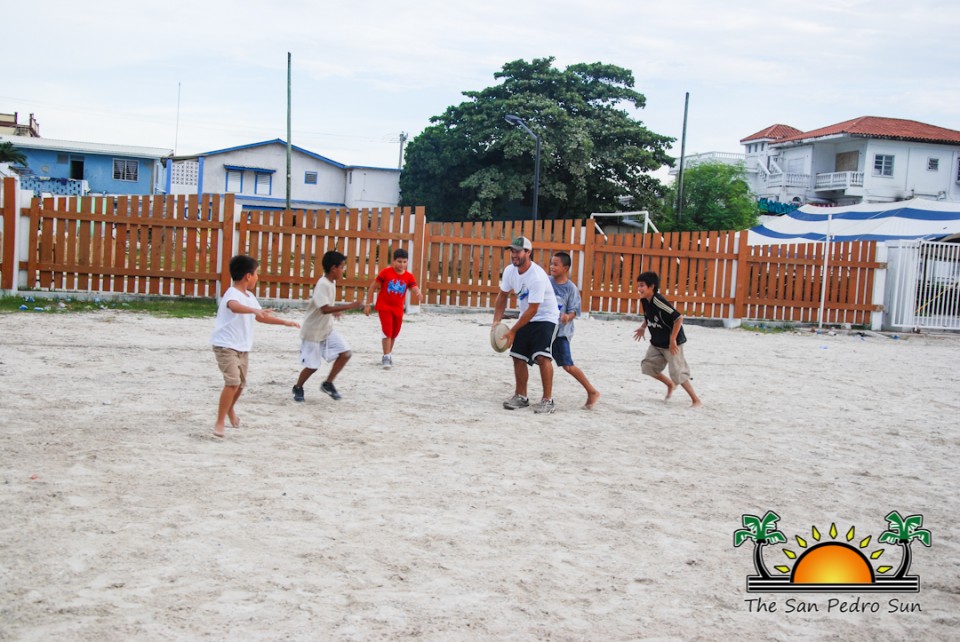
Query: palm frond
x=741, y=535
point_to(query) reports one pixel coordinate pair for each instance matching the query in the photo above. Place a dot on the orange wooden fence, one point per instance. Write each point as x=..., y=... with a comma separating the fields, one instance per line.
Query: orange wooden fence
x=134, y=244
x=8, y=236
x=180, y=246
x=291, y=244
x=785, y=282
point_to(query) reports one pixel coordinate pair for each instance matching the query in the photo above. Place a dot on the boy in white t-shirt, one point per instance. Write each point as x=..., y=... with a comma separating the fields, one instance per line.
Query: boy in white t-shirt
x=232, y=337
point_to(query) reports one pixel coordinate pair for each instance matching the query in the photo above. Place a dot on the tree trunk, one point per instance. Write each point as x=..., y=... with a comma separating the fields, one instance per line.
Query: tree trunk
x=905, y=561
x=758, y=560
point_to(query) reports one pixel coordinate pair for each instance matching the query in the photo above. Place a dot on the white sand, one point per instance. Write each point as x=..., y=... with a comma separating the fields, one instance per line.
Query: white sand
x=417, y=508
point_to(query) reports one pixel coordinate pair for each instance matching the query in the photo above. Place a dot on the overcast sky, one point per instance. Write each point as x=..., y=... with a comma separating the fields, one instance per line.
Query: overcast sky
x=209, y=74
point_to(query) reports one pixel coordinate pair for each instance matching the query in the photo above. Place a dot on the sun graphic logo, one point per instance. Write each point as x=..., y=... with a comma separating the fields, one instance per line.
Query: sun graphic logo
x=832, y=566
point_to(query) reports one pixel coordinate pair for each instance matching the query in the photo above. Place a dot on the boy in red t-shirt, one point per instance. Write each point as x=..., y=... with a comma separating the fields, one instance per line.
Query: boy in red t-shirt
x=393, y=283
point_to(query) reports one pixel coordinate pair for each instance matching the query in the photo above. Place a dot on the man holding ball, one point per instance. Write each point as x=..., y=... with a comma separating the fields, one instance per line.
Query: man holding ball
x=531, y=337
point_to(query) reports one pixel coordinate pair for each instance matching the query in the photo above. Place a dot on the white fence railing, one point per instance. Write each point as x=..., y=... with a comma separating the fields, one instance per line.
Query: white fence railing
x=839, y=180
x=788, y=179
x=923, y=285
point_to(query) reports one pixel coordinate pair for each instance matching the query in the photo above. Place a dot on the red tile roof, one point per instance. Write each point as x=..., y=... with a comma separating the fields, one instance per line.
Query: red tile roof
x=774, y=132
x=876, y=127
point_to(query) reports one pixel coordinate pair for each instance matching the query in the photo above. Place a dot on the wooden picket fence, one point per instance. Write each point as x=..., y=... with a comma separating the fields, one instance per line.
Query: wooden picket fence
x=181, y=245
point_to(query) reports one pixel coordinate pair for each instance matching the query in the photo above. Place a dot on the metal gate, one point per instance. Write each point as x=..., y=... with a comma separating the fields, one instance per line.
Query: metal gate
x=923, y=285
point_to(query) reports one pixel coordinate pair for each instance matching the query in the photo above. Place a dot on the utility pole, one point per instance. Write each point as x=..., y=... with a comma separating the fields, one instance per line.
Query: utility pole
x=289, y=143
x=403, y=140
x=683, y=152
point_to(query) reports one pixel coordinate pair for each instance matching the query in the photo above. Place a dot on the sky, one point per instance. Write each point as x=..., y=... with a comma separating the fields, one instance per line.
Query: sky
x=211, y=74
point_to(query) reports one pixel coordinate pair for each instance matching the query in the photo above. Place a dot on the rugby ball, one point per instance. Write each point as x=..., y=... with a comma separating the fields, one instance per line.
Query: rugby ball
x=497, y=334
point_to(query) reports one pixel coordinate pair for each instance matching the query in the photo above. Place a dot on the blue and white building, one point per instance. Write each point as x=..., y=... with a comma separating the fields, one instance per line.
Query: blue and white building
x=63, y=167
x=256, y=175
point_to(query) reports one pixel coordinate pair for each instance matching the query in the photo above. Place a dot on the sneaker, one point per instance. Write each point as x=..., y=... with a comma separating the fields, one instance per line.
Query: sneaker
x=386, y=362
x=328, y=388
x=546, y=406
x=298, y=393
x=515, y=402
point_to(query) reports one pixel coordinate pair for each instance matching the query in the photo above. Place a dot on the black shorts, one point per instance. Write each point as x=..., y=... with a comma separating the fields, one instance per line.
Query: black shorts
x=534, y=340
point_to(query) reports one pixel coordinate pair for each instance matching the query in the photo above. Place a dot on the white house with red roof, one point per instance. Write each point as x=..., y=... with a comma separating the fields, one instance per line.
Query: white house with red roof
x=864, y=160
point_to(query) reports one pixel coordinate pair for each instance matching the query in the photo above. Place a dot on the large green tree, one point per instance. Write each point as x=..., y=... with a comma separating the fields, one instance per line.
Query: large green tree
x=470, y=163
x=715, y=197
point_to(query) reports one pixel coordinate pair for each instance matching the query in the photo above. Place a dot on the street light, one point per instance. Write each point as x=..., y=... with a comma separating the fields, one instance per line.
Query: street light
x=516, y=120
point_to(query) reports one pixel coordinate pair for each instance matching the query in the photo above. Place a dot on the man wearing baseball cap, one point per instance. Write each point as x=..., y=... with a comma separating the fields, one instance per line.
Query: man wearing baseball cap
x=531, y=337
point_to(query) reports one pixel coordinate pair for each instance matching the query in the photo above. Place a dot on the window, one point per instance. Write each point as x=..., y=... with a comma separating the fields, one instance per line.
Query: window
x=61, y=159
x=933, y=164
x=126, y=170
x=883, y=165
x=310, y=178
x=263, y=184
x=234, y=181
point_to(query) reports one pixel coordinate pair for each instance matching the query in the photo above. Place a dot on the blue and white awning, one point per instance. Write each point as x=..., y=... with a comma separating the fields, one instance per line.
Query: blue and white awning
x=913, y=219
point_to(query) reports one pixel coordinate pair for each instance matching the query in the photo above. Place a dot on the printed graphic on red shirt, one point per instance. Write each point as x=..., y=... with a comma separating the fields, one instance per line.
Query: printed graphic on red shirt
x=393, y=289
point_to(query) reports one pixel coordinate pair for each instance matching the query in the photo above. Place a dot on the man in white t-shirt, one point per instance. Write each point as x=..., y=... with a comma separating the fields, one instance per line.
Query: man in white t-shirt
x=531, y=337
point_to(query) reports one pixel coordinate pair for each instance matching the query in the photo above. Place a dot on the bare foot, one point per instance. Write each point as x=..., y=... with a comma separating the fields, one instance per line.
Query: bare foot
x=592, y=398
x=218, y=431
x=234, y=419
x=696, y=404
x=670, y=390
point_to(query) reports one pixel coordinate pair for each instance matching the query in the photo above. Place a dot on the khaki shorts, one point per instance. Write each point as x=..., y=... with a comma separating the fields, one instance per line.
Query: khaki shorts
x=233, y=364
x=657, y=359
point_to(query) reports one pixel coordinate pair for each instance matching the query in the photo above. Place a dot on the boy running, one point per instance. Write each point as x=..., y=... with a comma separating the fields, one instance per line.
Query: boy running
x=319, y=341
x=393, y=283
x=666, y=338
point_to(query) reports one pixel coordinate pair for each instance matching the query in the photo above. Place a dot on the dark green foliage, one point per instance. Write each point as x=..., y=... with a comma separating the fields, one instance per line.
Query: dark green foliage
x=471, y=164
x=715, y=197
x=12, y=155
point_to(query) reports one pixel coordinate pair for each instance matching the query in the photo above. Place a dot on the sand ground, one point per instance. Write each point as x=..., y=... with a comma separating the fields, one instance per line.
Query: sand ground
x=417, y=508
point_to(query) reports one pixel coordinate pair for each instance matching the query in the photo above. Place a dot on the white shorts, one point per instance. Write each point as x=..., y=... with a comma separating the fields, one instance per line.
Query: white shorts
x=314, y=353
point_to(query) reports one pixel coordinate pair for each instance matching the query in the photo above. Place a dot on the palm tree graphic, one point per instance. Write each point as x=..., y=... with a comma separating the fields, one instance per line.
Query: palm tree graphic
x=762, y=532
x=903, y=532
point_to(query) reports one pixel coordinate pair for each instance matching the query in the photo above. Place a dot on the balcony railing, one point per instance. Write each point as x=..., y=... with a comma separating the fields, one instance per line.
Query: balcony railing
x=839, y=180
x=786, y=179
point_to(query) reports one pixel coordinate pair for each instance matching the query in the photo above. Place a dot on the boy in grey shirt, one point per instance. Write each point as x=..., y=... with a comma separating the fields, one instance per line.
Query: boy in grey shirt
x=568, y=301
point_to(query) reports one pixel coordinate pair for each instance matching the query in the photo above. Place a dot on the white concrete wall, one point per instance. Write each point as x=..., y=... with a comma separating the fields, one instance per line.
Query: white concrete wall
x=372, y=187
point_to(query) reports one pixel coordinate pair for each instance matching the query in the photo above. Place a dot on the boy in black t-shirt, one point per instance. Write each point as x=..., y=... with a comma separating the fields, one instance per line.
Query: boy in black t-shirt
x=666, y=338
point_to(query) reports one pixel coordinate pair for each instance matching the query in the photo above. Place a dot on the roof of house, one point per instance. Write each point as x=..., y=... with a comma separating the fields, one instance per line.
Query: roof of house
x=30, y=142
x=877, y=127
x=279, y=141
x=773, y=132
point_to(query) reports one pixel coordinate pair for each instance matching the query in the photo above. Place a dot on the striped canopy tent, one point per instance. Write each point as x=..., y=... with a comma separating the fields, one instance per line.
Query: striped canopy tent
x=913, y=219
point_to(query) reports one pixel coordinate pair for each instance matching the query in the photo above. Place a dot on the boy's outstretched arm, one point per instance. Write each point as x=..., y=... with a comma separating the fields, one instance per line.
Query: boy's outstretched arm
x=638, y=335
x=268, y=318
x=343, y=307
x=368, y=297
x=264, y=315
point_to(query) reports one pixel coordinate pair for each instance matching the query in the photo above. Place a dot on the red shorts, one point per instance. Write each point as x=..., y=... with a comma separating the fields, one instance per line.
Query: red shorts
x=390, y=322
